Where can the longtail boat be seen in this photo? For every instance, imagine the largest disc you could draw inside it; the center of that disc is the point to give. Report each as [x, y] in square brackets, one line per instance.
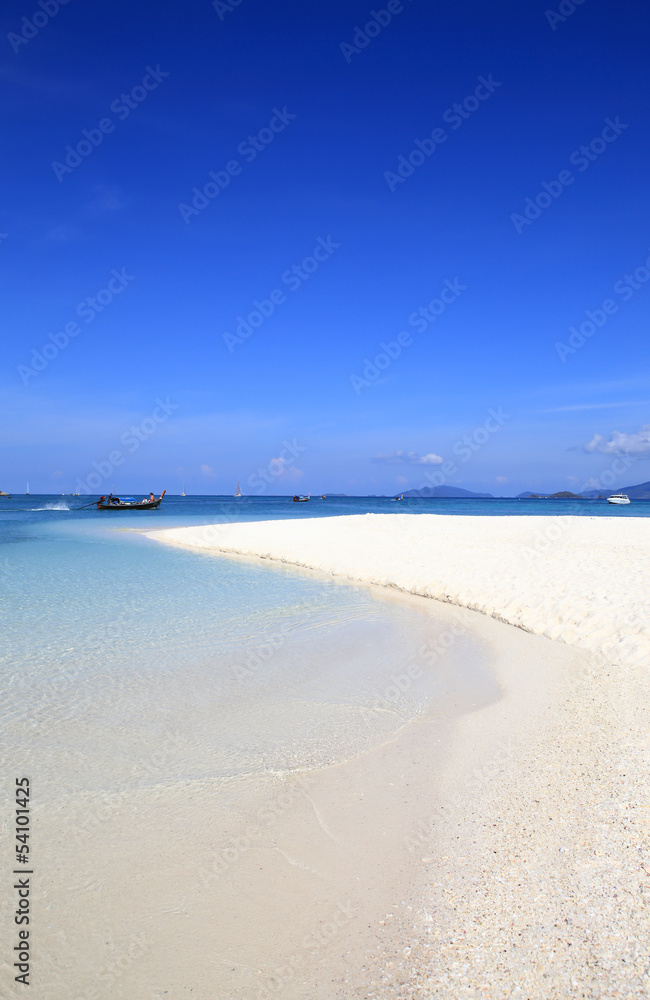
[112, 502]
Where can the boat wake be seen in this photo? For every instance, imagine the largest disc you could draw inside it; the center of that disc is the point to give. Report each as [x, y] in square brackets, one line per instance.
[61, 505]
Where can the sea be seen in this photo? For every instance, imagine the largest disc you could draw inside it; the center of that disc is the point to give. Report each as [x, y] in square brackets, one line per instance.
[115, 646]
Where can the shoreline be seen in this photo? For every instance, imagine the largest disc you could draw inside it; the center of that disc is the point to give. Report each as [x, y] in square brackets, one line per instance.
[491, 845]
[580, 580]
[531, 870]
[265, 885]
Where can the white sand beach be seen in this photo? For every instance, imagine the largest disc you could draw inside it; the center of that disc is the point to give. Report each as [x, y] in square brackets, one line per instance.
[525, 871]
[582, 580]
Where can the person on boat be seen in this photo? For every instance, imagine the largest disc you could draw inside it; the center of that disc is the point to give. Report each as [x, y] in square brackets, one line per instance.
[151, 497]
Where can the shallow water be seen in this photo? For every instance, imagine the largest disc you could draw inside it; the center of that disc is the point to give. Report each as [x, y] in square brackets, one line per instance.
[175, 713]
[127, 664]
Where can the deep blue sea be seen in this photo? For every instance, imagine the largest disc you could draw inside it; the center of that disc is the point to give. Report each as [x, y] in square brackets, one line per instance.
[177, 510]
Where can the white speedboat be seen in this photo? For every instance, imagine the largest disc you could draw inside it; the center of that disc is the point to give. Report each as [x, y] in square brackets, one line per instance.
[618, 498]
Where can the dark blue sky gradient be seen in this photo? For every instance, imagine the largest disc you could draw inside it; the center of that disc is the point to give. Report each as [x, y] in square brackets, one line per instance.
[161, 337]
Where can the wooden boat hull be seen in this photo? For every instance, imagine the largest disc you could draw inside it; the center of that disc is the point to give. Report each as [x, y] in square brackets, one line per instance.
[129, 506]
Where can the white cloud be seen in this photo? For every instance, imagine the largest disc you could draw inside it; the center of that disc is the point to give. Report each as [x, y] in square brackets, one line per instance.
[207, 470]
[408, 458]
[502, 479]
[622, 444]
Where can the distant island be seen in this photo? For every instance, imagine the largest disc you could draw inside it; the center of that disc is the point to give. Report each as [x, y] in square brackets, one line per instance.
[562, 495]
[639, 492]
[448, 492]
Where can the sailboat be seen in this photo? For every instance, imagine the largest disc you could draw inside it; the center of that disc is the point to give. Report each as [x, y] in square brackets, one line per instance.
[183, 493]
[27, 490]
[238, 492]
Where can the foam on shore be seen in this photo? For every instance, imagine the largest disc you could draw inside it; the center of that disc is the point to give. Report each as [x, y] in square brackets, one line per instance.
[581, 580]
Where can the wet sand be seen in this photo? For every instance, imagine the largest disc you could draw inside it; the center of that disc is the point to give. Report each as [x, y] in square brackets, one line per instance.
[525, 868]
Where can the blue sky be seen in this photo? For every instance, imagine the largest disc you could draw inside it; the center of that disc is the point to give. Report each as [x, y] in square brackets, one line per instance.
[300, 118]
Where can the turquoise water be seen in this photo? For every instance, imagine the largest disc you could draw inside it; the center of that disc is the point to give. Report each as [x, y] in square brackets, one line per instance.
[130, 664]
[126, 663]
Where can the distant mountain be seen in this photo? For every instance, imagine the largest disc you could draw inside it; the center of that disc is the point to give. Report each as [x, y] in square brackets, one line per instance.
[448, 492]
[640, 492]
[563, 495]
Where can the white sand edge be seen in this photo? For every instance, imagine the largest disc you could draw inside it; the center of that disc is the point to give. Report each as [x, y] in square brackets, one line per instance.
[582, 580]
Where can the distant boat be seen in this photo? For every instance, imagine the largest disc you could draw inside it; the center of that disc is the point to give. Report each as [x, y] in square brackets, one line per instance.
[3, 494]
[323, 497]
[27, 490]
[398, 498]
[238, 492]
[619, 498]
[183, 493]
[298, 499]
